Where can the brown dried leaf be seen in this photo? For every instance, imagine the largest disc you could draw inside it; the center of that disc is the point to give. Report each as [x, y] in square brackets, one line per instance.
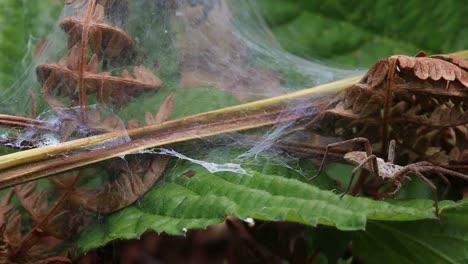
[12, 232]
[5, 207]
[95, 39]
[72, 61]
[133, 123]
[164, 111]
[126, 74]
[377, 73]
[428, 100]
[117, 40]
[119, 89]
[74, 36]
[93, 64]
[12, 249]
[99, 122]
[125, 190]
[136, 178]
[149, 119]
[78, 5]
[98, 15]
[61, 224]
[146, 76]
[114, 45]
[433, 68]
[35, 202]
[460, 62]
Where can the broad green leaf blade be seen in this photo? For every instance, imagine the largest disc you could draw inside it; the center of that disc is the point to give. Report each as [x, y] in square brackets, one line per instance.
[425, 241]
[374, 29]
[23, 23]
[415, 242]
[188, 101]
[205, 198]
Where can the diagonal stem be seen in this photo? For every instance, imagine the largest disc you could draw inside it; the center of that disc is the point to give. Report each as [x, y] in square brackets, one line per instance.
[32, 164]
[387, 104]
[83, 59]
[30, 238]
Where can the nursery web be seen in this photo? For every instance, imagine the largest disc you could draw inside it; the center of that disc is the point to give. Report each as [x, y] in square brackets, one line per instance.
[138, 56]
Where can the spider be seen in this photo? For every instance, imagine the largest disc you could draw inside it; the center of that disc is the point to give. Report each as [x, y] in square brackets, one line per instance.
[387, 171]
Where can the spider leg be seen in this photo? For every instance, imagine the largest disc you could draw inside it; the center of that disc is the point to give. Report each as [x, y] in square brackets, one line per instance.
[447, 171]
[448, 185]
[440, 172]
[421, 164]
[371, 188]
[416, 172]
[355, 170]
[391, 151]
[396, 180]
[360, 183]
[397, 189]
[362, 140]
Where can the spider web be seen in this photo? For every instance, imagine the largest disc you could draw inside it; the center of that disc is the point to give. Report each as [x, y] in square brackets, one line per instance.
[209, 53]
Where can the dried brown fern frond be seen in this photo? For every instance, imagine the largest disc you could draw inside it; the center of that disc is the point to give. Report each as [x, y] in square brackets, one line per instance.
[435, 68]
[78, 5]
[118, 88]
[18, 248]
[60, 224]
[136, 175]
[410, 99]
[79, 74]
[103, 37]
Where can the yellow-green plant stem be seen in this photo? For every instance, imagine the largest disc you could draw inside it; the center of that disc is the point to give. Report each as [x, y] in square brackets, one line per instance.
[32, 164]
[24, 166]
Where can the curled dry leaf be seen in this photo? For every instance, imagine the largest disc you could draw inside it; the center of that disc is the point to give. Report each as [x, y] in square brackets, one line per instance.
[433, 68]
[14, 248]
[462, 63]
[426, 98]
[131, 184]
[103, 37]
[78, 5]
[53, 222]
[5, 207]
[438, 67]
[62, 224]
[119, 89]
[77, 75]
[137, 175]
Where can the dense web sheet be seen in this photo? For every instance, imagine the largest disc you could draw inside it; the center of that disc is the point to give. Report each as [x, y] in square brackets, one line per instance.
[144, 62]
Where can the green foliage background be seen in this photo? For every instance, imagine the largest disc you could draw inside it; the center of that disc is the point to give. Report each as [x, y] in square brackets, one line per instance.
[344, 33]
[22, 24]
[356, 33]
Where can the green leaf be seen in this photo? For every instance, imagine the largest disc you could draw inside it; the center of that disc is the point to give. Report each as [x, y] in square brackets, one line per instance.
[204, 198]
[347, 33]
[22, 24]
[188, 101]
[419, 242]
[425, 241]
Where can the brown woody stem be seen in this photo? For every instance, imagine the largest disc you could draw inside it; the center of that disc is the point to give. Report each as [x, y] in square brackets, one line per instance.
[32, 164]
[29, 239]
[83, 60]
[24, 122]
[387, 106]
